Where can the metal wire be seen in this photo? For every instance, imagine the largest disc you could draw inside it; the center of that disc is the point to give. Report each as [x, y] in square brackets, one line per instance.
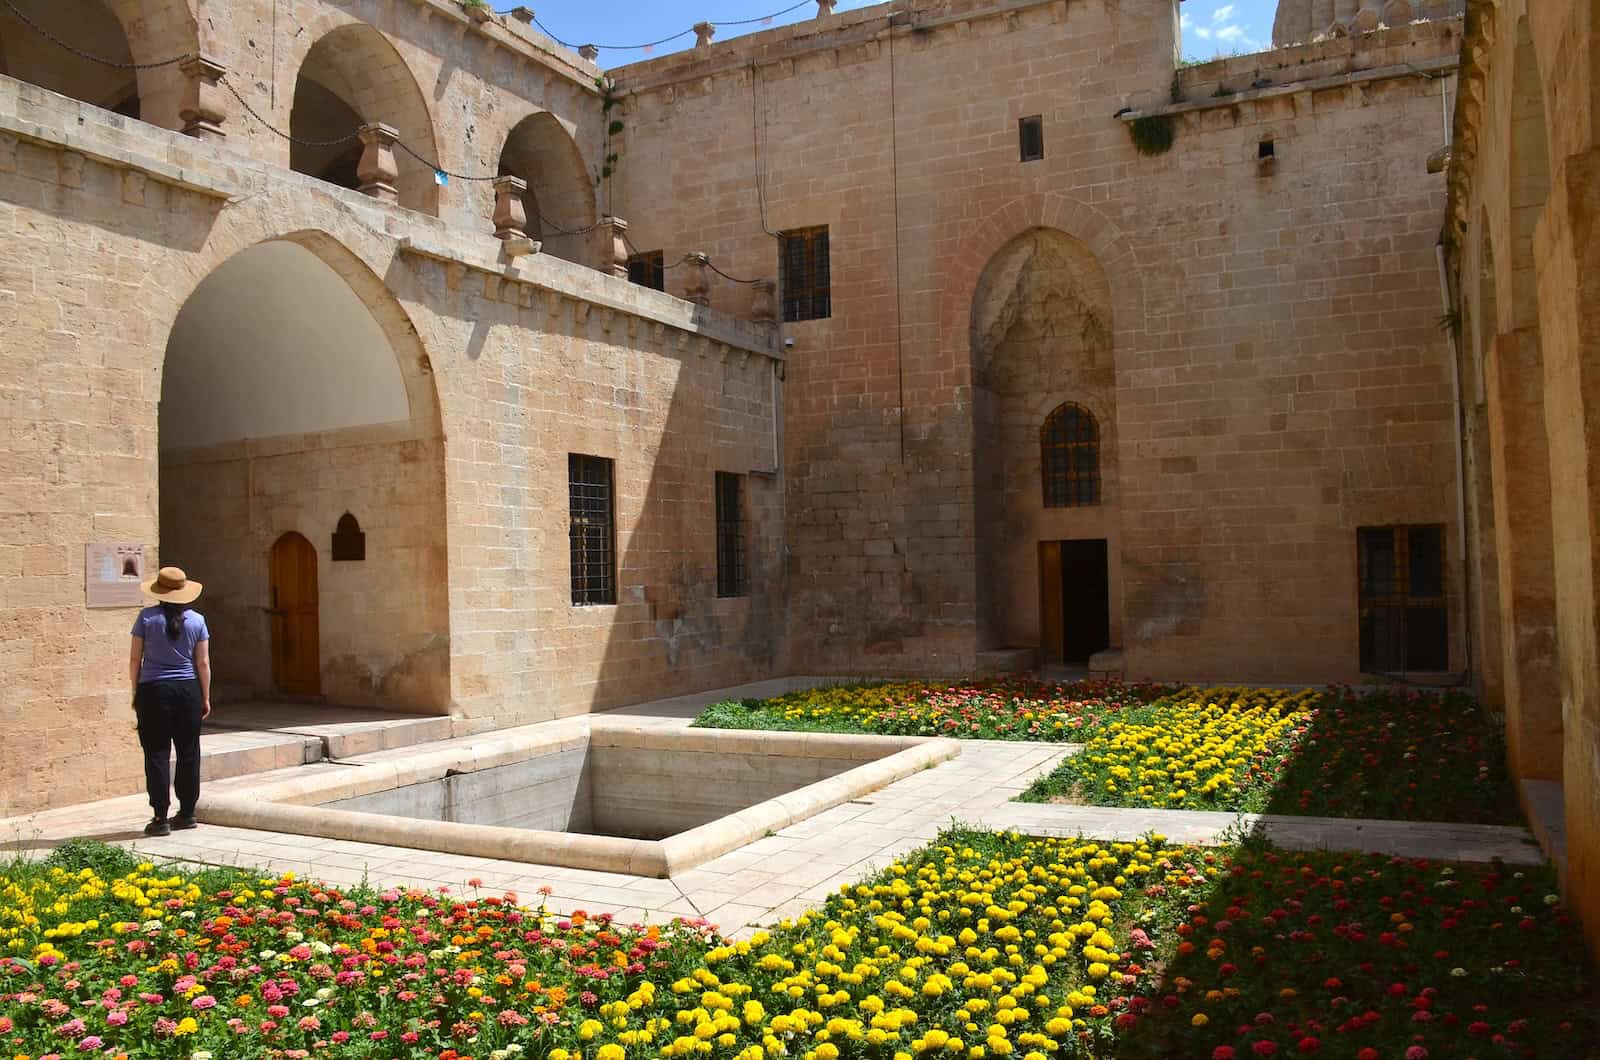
[664, 40]
[248, 109]
[80, 53]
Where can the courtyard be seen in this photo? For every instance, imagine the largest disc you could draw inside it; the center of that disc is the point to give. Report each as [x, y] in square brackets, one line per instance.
[999, 900]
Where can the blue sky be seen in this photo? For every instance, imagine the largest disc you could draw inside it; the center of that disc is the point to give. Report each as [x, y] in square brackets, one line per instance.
[1211, 27]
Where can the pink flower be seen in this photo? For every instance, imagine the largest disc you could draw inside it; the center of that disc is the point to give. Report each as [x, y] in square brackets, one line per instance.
[1416, 1052]
[89, 1044]
[113, 1019]
[204, 1001]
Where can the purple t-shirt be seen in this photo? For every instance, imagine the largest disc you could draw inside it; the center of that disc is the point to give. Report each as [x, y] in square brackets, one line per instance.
[166, 659]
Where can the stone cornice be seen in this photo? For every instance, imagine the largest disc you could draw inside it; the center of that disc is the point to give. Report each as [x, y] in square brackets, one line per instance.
[554, 283]
[1429, 68]
[850, 29]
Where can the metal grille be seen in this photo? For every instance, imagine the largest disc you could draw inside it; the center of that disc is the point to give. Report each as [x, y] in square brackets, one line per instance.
[1069, 456]
[1030, 138]
[1404, 620]
[646, 270]
[591, 534]
[730, 536]
[804, 274]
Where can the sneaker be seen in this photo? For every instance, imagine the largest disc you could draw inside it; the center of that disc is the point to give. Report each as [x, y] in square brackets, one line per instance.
[183, 822]
[158, 826]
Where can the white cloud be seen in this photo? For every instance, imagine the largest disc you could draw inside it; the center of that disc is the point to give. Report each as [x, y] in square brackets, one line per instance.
[1203, 33]
[1230, 33]
[1222, 14]
[1185, 22]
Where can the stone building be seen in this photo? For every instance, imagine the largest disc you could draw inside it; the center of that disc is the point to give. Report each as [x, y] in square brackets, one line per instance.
[1525, 268]
[983, 334]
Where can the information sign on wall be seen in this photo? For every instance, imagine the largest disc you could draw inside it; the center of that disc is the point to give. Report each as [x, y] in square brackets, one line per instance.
[112, 573]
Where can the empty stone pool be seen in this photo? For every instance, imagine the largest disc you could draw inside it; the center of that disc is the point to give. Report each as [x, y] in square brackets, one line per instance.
[585, 792]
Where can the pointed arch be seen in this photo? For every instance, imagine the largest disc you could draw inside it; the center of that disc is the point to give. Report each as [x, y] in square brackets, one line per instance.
[352, 76]
[560, 199]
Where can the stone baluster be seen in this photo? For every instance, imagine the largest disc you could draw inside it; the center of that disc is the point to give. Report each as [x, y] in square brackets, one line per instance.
[696, 281]
[377, 169]
[764, 302]
[1344, 13]
[1367, 19]
[589, 52]
[203, 110]
[825, 8]
[703, 32]
[614, 246]
[510, 209]
[1398, 12]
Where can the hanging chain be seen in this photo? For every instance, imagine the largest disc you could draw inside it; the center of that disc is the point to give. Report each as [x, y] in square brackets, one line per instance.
[80, 53]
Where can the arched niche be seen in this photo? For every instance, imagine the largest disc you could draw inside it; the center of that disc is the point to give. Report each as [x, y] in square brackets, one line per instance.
[353, 76]
[91, 28]
[1041, 341]
[560, 199]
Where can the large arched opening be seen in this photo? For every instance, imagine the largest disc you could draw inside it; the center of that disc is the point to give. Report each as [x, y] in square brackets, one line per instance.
[294, 391]
[560, 199]
[352, 77]
[92, 29]
[1044, 410]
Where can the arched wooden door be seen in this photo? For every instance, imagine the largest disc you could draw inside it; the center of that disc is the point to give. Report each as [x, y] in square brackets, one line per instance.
[296, 653]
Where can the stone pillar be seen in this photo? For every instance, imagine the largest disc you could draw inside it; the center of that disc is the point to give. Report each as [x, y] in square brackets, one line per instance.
[377, 169]
[614, 246]
[764, 302]
[510, 212]
[703, 32]
[589, 52]
[1367, 18]
[203, 111]
[696, 282]
[825, 8]
[1525, 552]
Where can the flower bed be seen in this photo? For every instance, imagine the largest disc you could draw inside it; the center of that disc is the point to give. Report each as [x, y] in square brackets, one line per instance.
[1405, 755]
[1211, 749]
[1001, 709]
[979, 945]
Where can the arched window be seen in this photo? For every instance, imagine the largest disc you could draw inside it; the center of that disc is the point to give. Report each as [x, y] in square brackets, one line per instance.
[1069, 456]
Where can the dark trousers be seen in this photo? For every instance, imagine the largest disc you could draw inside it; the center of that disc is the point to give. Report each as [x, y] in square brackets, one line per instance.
[169, 717]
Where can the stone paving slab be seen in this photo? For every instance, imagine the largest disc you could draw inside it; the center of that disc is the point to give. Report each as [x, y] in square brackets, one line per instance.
[1423, 839]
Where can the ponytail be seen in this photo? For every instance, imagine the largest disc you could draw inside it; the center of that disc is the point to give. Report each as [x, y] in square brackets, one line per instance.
[173, 613]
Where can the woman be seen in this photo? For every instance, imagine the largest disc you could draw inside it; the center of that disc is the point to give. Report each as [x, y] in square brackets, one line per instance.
[170, 665]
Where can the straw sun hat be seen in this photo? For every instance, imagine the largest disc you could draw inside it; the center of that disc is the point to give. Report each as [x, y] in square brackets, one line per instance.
[171, 586]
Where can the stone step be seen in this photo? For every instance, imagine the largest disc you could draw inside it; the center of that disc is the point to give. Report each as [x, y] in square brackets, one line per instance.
[245, 738]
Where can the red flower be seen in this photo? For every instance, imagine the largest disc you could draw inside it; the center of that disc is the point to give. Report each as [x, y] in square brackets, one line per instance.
[1369, 1053]
[1222, 1052]
[1264, 1047]
[1309, 1044]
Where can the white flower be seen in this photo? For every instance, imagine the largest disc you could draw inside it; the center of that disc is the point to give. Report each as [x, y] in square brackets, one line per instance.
[1459, 973]
[311, 1002]
[187, 914]
[293, 935]
[325, 993]
[267, 955]
[1517, 909]
[151, 925]
[1552, 899]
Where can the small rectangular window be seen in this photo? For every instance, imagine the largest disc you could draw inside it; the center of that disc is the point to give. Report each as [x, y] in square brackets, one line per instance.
[803, 274]
[1266, 149]
[1030, 137]
[730, 535]
[646, 270]
[592, 533]
[1404, 617]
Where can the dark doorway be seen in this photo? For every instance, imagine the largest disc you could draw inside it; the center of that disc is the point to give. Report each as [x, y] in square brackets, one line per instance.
[296, 648]
[1085, 600]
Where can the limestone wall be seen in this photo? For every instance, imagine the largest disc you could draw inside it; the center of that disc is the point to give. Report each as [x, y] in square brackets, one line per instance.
[509, 365]
[1524, 195]
[1279, 378]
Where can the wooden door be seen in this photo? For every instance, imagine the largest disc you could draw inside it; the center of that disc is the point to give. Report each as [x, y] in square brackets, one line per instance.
[296, 649]
[1050, 632]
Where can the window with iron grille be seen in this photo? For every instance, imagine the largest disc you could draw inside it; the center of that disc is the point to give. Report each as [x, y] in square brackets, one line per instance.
[730, 535]
[1404, 621]
[646, 270]
[1069, 455]
[803, 273]
[1030, 138]
[591, 535]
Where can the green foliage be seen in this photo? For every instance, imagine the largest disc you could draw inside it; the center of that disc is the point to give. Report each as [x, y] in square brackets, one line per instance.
[1152, 134]
[476, 5]
[108, 861]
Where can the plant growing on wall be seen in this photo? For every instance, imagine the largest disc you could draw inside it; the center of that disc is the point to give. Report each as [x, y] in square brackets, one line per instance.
[1152, 134]
[609, 100]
